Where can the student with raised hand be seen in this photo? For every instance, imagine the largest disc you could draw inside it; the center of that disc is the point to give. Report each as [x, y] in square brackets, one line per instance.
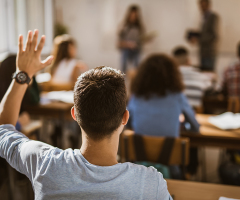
[65, 68]
[93, 171]
[157, 99]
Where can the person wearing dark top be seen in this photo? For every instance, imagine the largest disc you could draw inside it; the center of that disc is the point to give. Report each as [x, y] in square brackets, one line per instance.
[157, 99]
[130, 35]
[208, 36]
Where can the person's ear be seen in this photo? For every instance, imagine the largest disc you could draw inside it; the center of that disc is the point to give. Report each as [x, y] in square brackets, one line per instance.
[125, 117]
[73, 113]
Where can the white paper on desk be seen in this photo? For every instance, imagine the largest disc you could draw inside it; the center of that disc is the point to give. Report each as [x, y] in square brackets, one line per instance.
[226, 121]
[64, 96]
[225, 198]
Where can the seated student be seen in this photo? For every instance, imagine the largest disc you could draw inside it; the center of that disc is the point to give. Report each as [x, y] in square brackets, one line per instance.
[65, 68]
[195, 82]
[231, 78]
[157, 100]
[91, 172]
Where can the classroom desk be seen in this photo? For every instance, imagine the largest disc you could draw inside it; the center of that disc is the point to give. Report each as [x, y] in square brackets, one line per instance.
[211, 136]
[53, 110]
[186, 190]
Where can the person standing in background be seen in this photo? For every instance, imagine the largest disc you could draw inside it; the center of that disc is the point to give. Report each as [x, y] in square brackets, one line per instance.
[208, 36]
[130, 35]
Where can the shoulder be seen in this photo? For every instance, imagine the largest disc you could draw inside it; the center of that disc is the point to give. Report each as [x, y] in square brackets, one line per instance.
[233, 67]
[8, 130]
[80, 65]
[181, 97]
[62, 62]
[149, 173]
[7, 127]
[174, 95]
[151, 177]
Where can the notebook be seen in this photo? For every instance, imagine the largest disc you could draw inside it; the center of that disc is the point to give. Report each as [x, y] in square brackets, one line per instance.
[226, 121]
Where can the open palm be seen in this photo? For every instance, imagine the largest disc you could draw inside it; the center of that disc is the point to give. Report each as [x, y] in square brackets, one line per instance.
[29, 58]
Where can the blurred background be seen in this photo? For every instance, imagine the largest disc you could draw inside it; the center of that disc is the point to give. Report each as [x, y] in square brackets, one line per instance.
[94, 24]
[91, 32]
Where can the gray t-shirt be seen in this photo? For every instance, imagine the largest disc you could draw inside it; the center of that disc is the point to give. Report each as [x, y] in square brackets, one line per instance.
[66, 174]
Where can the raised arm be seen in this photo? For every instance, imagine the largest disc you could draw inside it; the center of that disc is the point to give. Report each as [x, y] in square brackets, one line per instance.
[28, 61]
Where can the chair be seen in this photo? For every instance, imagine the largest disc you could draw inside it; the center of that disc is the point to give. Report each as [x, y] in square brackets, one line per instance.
[234, 104]
[49, 86]
[163, 150]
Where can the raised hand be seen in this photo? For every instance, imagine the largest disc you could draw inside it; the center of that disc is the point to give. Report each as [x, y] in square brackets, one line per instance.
[29, 58]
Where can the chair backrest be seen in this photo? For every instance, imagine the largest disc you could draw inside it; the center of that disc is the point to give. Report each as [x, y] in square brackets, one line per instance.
[234, 104]
[49, 86]
[153, 147]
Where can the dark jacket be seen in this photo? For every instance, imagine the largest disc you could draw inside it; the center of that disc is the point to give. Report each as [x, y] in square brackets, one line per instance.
[209, 35]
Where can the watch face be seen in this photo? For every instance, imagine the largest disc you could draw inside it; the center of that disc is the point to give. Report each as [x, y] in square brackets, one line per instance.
[21, 77]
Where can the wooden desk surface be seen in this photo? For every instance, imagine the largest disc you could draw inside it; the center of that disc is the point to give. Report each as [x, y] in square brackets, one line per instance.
[212, 136]
[210, 130]
[186, 190]
[52, 109]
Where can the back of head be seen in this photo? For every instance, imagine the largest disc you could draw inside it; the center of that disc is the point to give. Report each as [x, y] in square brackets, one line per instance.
[204, 5]
[100, 101]
[181, 55]
[61, 49]
[157, 75]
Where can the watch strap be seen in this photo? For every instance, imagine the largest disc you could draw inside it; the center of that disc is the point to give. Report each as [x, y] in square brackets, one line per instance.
[14, 76]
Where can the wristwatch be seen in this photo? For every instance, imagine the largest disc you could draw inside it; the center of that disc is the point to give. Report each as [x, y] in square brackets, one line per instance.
[21, 77]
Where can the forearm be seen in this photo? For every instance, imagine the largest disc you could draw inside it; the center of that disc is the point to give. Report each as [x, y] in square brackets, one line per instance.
[29, 62]
[11, 103]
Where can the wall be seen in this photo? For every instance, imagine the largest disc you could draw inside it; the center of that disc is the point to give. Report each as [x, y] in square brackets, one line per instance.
[94, 24]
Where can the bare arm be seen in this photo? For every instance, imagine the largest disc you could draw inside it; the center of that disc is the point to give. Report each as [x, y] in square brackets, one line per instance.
[28, 60]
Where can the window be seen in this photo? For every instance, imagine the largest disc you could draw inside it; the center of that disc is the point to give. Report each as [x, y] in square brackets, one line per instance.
[19, 16]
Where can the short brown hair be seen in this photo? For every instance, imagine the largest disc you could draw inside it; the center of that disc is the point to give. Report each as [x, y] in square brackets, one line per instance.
[100, 101]
[157, 75]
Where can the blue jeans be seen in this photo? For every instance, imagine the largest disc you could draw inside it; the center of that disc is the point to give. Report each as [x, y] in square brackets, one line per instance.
[129, 55]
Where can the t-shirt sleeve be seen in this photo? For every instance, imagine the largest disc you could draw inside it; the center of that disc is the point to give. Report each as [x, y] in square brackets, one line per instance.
[189, 114]
[162, 192]
[23, 154]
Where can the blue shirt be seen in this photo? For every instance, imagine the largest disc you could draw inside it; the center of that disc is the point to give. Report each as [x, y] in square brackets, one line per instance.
[65, 174]
[159, 116]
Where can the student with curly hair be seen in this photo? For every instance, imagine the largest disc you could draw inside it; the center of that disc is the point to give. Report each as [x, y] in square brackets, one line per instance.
[157, 100]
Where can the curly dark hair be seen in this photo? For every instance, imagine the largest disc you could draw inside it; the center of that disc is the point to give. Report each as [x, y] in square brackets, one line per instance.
[157, 75]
